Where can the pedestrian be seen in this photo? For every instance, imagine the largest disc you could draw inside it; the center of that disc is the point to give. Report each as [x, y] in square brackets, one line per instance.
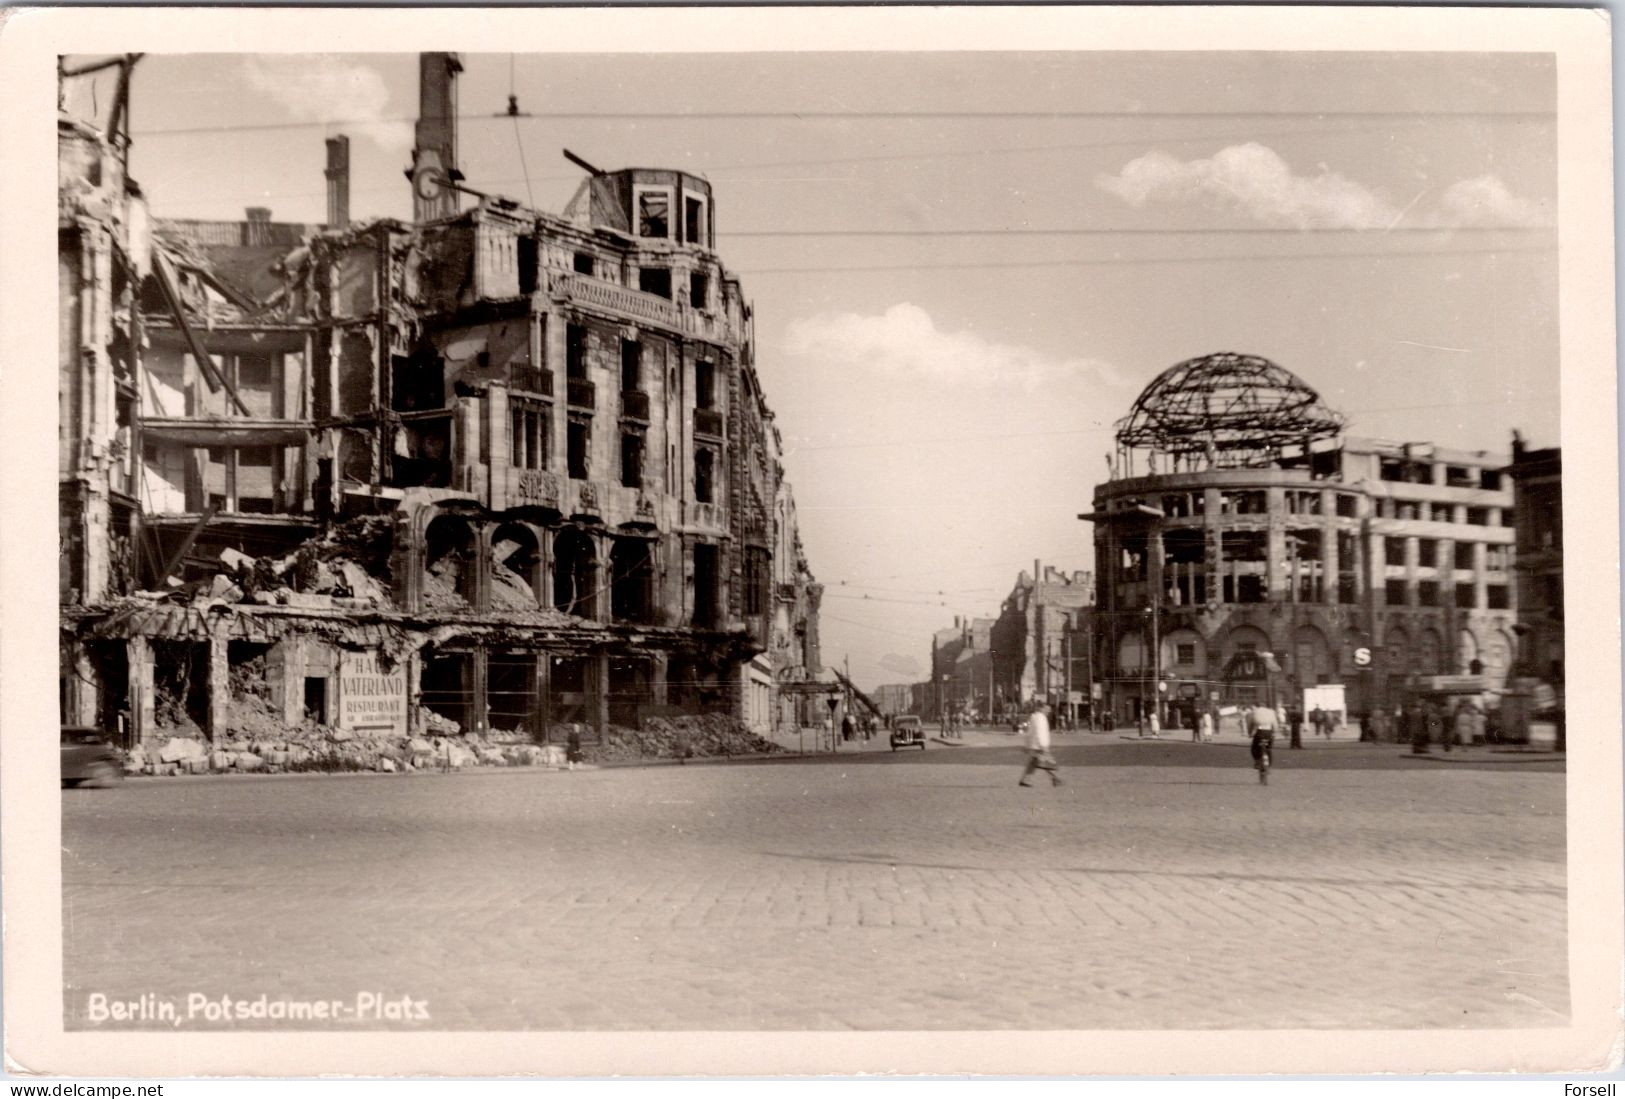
[1156, 723]
[572, 748]
[1436, 730]
[848, 727]
[1317, 721]
[1414, 727]
[1264, 720]
[1294, 723]
[1038, 753]
[1207, 725]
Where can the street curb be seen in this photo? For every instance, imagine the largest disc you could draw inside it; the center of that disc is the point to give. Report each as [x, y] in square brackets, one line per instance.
[1501, 757]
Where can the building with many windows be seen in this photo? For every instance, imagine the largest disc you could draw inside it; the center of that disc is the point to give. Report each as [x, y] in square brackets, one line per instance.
[1043, 643]
[493, 466]
[1247, 549]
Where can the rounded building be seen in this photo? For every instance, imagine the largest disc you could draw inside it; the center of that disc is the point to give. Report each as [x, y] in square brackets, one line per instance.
[1247, 549]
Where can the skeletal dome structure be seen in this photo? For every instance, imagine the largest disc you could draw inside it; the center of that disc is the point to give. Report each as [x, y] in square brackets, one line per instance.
[1228, 408]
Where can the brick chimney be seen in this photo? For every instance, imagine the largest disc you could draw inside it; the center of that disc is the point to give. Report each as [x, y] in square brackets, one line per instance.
[338, 182]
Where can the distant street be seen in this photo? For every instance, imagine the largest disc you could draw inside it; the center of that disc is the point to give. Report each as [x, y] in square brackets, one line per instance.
[1161, 887]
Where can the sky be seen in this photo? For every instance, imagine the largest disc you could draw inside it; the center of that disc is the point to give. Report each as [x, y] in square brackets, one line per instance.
[965, 266]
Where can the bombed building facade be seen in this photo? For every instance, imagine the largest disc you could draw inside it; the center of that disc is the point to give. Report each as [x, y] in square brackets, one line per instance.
[1042, 643]
[1248, 549]
[493, 468]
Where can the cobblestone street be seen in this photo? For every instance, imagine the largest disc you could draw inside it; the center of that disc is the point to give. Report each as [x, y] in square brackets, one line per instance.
[1161, 887]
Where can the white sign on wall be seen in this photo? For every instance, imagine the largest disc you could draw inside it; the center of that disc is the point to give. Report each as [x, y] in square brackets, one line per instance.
[369, 697]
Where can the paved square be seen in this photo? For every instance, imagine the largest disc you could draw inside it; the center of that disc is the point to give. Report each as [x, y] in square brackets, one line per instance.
[1161, 887]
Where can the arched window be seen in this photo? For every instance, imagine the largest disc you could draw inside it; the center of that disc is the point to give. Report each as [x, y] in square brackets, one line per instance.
[448, 556]
[516, 568]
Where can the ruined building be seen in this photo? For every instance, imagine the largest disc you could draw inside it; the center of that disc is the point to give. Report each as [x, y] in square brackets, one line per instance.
[1042, 643]
[1247, 549]
[494, 468]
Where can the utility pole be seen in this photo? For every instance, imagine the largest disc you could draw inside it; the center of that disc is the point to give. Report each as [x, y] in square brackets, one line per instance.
[1066, 648]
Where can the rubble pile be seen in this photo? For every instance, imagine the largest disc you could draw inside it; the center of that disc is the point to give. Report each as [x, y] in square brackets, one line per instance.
[441, 582]
[260, 742]
[509, 591]
[705, 735]
[347, 566]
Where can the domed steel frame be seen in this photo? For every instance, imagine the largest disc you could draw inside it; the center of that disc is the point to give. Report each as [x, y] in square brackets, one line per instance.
[1226, 403]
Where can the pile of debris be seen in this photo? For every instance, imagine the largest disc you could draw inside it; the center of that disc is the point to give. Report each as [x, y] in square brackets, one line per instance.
[261, 742]
[347, 566]
[707, 735]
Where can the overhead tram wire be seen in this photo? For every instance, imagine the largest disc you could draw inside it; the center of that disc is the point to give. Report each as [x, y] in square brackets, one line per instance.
[813, 116]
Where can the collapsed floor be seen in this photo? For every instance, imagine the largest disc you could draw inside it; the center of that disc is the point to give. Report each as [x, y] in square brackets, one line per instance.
[260, 742]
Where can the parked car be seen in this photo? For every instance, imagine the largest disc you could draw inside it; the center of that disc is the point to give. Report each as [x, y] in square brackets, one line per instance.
[88, 758]
[907, 732]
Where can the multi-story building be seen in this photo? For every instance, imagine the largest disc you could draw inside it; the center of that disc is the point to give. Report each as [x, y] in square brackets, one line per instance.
[1538, 672]
[1043, 643]
[961, 670]
[1247, 548]
[502, 466]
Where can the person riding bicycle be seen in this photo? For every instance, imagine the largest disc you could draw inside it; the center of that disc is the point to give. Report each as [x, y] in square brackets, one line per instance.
[1263, 720]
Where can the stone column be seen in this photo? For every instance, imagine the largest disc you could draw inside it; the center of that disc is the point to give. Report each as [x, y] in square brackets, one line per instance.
[1481, 581]
[1330, 566]
[542, 708]
[291, 681]
[497, 429]
[413, 667]
[480, 581]
[219, 691]
[84, 687]
[479, 715]
[598, 692]
[659, 664]
[1376, 573]
[1276, 580]
[1412, 555]
[1445, 562]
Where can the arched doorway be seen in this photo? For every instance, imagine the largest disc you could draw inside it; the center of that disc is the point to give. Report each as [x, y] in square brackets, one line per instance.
[1430, 652]
[575, 573]
[1466, 652]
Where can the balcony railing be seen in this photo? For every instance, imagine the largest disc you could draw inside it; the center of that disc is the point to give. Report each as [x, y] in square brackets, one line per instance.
[708, 421]
[581, 393]
[527, 379]
[635, 404]
[621, 299]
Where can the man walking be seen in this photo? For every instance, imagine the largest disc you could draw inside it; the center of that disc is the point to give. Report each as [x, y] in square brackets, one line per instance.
[1038, 754]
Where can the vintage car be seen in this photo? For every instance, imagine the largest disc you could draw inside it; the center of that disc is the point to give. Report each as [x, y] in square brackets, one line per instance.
[907, 732]
[88, 758]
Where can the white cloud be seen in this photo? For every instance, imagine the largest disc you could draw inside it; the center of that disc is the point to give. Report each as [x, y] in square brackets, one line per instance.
[1485, 200]
[905, 342]
[902, 665]
[323, 88]
[1255, 180]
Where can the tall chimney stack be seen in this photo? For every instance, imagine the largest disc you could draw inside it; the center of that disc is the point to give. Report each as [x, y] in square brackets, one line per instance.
[434, 157]
[338, 182]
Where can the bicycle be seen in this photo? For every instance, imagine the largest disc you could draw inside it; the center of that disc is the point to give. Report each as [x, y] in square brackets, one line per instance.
[1263, 742]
